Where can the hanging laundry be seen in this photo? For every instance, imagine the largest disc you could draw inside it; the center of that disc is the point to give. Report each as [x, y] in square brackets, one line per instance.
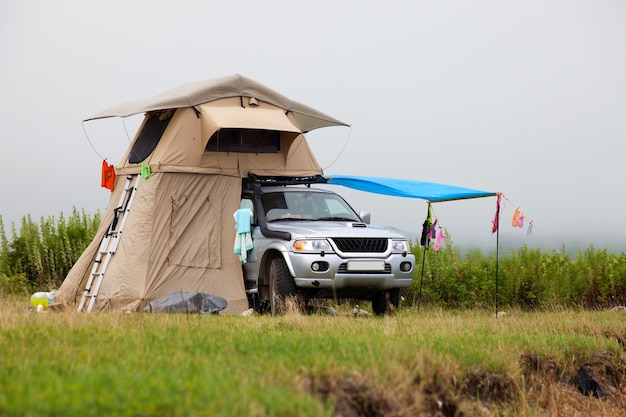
[145, 170]
[515, 217]
[108, 176]
[426, 229]
[530, 228]
[520, 220]
[425, 234]
[441, 238]
[496, 217]
[243, 238]
[433, 229]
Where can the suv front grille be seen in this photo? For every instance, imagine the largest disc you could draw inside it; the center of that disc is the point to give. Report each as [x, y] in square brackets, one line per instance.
[354, 244]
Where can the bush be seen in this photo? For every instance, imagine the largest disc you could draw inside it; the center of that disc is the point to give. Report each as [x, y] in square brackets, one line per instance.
[527, 278]
[14, 285]
[44, 252]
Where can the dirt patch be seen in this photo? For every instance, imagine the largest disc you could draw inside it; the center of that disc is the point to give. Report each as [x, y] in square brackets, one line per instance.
[354, 396]
[543, 385]
[491, 387]
[593, 386]
[439, 398]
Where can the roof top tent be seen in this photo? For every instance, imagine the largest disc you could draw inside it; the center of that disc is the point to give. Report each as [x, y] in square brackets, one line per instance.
[199, 141]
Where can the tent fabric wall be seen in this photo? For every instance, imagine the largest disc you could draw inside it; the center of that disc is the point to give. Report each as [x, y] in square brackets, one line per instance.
[182, 146]
[170, 243]
[229, 113]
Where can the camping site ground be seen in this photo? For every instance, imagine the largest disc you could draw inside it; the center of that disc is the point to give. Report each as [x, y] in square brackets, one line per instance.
[431, 362]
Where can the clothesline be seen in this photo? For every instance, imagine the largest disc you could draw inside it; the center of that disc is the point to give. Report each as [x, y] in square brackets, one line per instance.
[429, 231]
[433, 229]
[518, 219]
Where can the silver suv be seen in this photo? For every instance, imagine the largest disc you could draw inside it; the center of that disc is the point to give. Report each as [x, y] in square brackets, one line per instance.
[309, 243]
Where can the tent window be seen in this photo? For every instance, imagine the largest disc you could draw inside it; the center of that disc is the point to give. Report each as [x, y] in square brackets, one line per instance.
[153, 128]
[244, 141]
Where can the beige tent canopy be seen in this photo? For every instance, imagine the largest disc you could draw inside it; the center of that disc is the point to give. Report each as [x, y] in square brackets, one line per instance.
[201, 92]
[173, 229]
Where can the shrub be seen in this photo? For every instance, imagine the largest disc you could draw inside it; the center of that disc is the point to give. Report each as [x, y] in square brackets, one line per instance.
[44, 252]
[527, 278]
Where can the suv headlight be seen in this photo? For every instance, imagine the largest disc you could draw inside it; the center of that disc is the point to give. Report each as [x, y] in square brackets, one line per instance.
[312, 245]
[400, 246]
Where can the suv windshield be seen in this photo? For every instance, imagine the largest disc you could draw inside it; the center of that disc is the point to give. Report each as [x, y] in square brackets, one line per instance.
[306, 205]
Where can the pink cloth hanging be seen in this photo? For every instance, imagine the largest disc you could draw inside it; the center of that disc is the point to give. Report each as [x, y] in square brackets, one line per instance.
[441, 237]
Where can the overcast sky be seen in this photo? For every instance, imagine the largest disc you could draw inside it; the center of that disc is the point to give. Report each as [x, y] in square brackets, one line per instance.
[526, 98]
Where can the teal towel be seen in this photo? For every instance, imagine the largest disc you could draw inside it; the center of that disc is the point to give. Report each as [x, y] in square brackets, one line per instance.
[243, 238]
[243, 218]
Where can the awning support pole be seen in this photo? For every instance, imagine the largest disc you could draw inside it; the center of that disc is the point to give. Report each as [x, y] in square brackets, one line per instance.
[419, 302]
[497, 251]
[421, 280]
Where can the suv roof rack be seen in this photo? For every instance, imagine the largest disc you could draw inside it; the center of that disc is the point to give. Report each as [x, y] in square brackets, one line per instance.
[280, 180]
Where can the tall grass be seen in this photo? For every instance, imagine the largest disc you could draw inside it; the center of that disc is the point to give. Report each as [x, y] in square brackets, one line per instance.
[182, 365]
[527, 278]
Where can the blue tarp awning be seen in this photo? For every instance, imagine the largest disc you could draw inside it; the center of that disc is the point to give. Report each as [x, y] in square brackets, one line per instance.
[429, 191]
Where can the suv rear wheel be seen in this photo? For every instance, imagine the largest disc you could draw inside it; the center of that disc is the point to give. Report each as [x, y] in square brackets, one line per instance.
[282, 286]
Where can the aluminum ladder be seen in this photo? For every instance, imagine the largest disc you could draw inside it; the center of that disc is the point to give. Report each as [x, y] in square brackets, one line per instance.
[109, 243]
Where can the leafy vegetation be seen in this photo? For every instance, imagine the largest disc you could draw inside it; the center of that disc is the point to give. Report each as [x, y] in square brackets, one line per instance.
[38, 256]
[527, 278]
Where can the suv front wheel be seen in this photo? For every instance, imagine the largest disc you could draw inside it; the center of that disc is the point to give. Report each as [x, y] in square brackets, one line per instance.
[386, 302]
[282, 286]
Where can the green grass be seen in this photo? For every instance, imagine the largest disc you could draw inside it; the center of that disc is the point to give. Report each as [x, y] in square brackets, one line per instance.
[188, 365]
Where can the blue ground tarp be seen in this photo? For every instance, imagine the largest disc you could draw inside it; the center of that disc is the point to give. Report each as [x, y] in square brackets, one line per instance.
[429, 191]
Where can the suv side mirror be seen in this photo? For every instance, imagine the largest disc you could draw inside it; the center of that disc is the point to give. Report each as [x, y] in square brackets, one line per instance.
[365, 216]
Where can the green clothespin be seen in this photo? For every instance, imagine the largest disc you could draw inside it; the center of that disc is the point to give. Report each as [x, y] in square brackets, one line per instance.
[145, 170]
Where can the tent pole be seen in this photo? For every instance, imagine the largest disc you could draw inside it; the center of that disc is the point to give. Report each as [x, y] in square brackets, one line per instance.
[424, 240]
[419, 302]
[497, 254]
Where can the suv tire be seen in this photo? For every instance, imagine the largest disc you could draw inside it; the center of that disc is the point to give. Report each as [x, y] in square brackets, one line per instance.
[282, 286]
[386, 302]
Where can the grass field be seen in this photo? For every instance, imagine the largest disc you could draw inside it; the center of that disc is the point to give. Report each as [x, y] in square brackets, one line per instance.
[434, 362]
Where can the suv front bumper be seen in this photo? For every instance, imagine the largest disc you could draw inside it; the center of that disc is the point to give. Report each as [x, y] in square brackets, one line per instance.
[338, 276]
